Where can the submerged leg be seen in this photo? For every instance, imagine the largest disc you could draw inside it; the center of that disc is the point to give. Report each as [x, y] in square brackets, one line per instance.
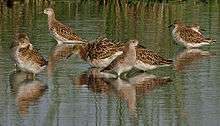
[124, 75]
[33, 76]
[119, 75]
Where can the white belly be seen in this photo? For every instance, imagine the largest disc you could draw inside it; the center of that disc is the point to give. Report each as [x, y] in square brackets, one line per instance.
[61, 40]
[29, 66]
[143, 66]
[179, 40]
[177, 37]
[102, 63]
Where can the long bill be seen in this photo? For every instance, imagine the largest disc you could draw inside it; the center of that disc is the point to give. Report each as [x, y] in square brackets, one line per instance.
[170, 25]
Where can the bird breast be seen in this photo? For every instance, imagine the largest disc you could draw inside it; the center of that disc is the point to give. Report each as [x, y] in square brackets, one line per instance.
[131, 56]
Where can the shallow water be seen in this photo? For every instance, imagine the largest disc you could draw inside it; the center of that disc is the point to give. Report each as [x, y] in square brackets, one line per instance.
[68, 92]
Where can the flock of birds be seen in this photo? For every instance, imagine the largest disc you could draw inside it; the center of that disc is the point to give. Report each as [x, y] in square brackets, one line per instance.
[109, 57]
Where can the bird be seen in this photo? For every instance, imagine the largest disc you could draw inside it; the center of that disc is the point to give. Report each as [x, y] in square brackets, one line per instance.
[25, 56]
[103, 51]
[100, 53]
[148, 60]
[62, 33]
[125, 61]
[190, 37]
[196, 28]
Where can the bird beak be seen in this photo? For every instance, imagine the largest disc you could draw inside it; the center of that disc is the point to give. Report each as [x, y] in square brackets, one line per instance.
[202, 29]
[42, 12]
[141, 46]
[170, 25]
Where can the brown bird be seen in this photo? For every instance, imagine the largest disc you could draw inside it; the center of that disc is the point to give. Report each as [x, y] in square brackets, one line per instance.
[196, 28]
[148, 60]
[62, 33]
[125, 61]
[25, 56]
[190, 37]
[100, 53]
[103, 51]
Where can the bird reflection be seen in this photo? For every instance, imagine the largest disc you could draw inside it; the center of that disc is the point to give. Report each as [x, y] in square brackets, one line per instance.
[188, 56]
[16, 78]
[134, 88]
[59, 53]
[128, 90]
[27, 91]
[94, 80]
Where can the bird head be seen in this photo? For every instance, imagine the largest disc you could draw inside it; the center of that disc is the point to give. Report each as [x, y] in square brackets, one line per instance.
[176, 23]
[22, 40]
[133, 42]
[48, 11]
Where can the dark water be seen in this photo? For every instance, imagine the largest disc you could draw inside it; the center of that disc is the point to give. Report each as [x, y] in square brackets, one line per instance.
[68, 92]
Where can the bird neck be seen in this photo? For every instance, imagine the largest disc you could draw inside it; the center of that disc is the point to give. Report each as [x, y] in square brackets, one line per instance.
[83, 51]
[51, 18]
[130, 55]
[24, 49]
[129, 51]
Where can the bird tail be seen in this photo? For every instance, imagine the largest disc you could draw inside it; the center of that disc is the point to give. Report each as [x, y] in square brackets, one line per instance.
[83, 52]
[167, 61]
[166, 80]
[210, 40]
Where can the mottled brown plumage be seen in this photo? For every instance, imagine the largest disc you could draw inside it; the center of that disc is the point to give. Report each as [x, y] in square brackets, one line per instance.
[100, 53]
[102, 49]
[26, 58]
[28, 55]
[61, 32]
[20, 38]
[189, 37]
[196, 28]
[125, 61]
[151, 58]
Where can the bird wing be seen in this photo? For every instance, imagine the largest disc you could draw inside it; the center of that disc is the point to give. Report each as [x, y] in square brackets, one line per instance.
[32, 55]
[37, 57]
[114, 63]
[102, 49]
[64, 31]
[149, 57]
[191, 36]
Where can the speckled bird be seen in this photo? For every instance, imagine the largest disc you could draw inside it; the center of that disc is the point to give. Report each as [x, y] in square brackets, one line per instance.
[101, 52]
[125, 61]
[190, 37]
[196, 28]
[148, 60]
[25, 56]
[62, 33]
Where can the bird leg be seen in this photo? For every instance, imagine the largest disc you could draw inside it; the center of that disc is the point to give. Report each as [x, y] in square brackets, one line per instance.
[33, 76]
